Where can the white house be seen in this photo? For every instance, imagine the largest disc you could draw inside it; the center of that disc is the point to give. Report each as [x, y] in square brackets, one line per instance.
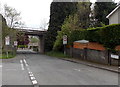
[114, 16]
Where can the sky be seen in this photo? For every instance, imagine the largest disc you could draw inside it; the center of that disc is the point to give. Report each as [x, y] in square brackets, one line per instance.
[34, 13]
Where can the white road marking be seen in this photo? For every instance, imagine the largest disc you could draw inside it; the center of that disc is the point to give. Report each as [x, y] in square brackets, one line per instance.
[31, 74]
[26, 64]
[24, 61]
[34, 82]
[77, 70]
[32, 78]
[1, 66]
[22, 66]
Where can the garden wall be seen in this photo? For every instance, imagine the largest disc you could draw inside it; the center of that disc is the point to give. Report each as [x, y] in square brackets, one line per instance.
[93, 52]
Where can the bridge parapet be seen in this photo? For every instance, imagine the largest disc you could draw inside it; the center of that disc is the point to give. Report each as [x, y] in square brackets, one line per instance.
[33, 32]
[39, 33]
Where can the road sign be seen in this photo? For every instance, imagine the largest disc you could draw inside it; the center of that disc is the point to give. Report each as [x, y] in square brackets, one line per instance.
[15, 43]
[7, 40]
[114, 56]
[64, 39]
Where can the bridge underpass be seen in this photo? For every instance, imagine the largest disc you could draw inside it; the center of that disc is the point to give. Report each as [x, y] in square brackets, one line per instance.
[39, 34]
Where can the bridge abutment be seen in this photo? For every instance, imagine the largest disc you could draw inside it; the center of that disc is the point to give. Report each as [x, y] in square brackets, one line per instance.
[41, 44]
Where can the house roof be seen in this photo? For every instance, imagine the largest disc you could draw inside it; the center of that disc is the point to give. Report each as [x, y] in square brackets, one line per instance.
[113, 11]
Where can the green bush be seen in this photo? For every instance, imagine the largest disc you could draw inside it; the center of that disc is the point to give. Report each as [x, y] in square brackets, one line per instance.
[35, 48]
[22, 46]
[108, 35]
[11, 54]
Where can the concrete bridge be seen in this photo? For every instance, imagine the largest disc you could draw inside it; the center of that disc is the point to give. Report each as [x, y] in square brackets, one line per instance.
[36, 32]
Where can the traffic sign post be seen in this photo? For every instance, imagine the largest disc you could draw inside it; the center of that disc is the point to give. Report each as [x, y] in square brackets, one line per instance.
[15, 43]
[7, 40]
[65, 39]
[7, 43]
[64, 42]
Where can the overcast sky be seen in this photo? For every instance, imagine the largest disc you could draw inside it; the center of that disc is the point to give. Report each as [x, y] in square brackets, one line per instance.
[33, 12]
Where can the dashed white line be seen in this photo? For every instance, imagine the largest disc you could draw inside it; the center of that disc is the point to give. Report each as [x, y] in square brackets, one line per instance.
[22, 66]
[31, 74]
[34, 82]
[32, 78]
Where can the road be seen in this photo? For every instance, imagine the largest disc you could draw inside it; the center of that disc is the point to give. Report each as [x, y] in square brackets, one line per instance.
[30, 68]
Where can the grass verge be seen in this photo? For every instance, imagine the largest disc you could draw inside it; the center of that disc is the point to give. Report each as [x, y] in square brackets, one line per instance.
[4, 56]
[57, 54]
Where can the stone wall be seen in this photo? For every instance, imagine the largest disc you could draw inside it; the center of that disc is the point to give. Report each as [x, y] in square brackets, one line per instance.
[98, 56]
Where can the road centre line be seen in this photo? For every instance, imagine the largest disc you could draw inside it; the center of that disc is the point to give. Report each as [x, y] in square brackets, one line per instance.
[34, 82]
[22, 66]
[32, 78]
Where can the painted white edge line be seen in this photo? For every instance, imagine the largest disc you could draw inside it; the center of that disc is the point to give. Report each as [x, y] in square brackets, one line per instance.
[21, 63]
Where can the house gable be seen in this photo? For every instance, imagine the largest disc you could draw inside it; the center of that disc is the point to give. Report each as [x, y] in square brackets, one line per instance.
[114, 16]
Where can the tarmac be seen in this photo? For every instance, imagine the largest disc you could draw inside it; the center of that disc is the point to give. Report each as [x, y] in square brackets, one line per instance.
[92, 64]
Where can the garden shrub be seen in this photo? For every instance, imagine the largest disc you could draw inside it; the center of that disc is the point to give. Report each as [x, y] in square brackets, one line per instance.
[108, 35]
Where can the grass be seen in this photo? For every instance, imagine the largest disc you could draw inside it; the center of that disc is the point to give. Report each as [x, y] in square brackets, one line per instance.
[4, 56]
[57, 54]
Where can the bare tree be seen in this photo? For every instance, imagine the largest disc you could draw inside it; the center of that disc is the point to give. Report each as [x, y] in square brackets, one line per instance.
[43, 24]
[19, 24]
[11, 15]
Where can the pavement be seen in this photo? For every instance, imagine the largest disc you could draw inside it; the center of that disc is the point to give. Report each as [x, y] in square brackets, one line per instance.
[30, 68]
[92, 64]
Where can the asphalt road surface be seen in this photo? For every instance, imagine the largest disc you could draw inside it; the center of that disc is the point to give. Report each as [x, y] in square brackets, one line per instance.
[30, 68]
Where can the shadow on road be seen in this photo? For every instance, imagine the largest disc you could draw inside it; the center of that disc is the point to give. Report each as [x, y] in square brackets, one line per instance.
[26, 51]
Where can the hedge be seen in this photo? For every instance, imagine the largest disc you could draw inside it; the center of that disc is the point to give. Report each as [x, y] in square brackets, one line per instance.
[22, 46]
[108, 35]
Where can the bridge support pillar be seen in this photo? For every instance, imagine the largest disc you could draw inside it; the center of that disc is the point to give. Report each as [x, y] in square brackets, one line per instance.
[41, 44]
